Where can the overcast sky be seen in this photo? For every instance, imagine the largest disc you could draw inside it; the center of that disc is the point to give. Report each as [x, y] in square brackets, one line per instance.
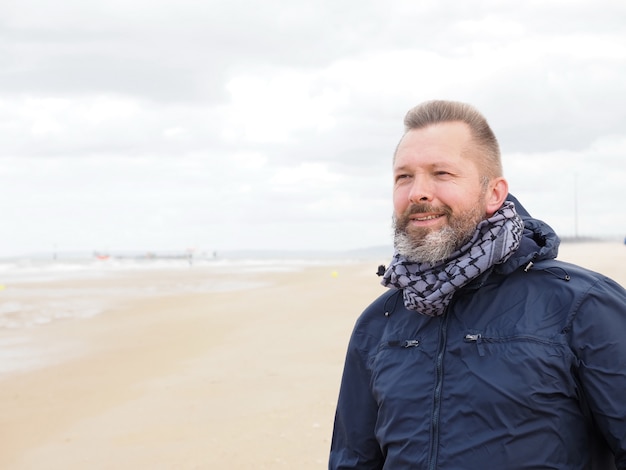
[249, 124]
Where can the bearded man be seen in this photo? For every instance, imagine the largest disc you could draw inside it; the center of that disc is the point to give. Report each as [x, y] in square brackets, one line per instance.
[486, 352]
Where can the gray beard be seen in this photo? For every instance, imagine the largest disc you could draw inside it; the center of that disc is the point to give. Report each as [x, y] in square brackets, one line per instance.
[435, 246]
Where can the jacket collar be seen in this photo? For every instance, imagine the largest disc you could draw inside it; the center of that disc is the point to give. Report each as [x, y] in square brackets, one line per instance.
[539, 241]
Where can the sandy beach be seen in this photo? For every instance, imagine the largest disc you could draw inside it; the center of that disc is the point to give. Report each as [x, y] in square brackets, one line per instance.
[239, 379]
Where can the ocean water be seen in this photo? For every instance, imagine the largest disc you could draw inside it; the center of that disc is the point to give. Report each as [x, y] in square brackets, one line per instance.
[36, 291]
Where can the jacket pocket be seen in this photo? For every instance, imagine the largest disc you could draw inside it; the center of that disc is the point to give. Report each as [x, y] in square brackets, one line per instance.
[481, 340]
[404, 343]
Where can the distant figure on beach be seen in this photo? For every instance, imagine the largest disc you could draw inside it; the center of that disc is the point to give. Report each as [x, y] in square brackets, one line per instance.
[486, 352]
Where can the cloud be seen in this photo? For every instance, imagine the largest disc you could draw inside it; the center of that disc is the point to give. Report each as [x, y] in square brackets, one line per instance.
[249, 124]
[577, 183]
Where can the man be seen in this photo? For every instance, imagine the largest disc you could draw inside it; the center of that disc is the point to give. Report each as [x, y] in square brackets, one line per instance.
[486, 352]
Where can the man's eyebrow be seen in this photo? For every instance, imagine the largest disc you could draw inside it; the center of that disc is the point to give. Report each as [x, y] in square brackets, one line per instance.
[400, 168]
[433, 165]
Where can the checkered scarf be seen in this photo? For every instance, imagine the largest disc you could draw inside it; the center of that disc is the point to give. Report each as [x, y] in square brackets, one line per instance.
[428, 288]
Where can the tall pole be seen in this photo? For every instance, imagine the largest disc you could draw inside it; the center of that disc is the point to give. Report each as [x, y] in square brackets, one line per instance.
[575, 205]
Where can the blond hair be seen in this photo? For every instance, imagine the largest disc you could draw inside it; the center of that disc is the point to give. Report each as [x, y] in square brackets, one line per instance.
[440, 111]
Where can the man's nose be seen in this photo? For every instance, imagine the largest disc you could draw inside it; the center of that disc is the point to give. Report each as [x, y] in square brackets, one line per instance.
[421, 190]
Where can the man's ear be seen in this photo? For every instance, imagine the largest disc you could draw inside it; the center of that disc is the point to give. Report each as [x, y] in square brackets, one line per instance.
[496, 194]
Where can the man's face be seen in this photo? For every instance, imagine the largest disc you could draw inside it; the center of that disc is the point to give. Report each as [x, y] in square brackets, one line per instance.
[438, 195]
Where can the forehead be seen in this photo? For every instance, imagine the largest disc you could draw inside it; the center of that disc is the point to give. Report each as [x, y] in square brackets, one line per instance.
[447, 141]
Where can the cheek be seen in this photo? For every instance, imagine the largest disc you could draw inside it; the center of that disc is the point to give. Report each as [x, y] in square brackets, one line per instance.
[400, 200]
[457, 195]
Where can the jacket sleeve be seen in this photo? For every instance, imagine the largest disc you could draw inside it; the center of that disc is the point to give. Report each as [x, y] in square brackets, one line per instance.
[599, 340]
[354, 444]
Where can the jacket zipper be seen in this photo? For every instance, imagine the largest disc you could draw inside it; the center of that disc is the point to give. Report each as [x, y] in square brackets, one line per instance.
[478, 339]
[434, 440]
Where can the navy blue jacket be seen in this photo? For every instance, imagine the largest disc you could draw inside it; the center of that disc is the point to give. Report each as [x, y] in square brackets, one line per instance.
[526, 369]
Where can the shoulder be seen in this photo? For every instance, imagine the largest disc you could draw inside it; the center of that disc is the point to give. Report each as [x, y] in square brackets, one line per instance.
[588, 295]
[371, 323]
[547, 290]
[375, 312]
[576, 278]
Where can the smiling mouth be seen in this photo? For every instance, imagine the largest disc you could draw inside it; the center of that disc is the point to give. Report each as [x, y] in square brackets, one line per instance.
[428, 217]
